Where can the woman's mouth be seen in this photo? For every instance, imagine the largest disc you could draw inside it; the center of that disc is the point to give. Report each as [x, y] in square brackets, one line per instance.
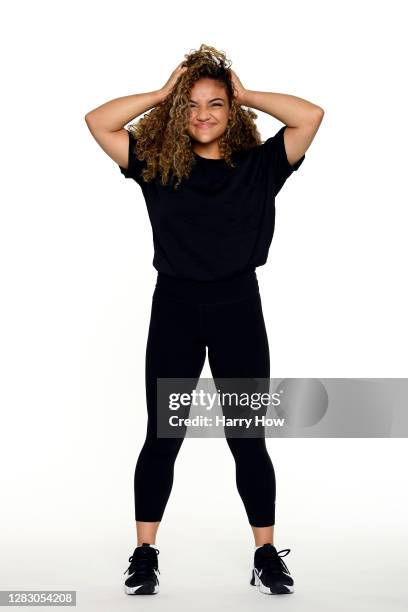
[204, 126]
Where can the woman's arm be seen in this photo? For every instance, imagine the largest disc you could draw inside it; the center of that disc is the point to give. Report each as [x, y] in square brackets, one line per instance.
[303, 118]
[106, 122]
[113, 115]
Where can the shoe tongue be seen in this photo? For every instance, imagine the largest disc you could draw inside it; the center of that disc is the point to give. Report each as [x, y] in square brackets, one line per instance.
[268, 547]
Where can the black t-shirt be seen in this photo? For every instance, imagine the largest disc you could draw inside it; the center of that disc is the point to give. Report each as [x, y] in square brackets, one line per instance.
[220, 221]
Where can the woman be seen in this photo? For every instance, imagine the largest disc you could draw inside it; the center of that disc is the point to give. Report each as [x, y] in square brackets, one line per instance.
[209, 184]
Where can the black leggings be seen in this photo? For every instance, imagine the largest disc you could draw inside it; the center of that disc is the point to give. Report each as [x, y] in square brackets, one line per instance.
[186, 317]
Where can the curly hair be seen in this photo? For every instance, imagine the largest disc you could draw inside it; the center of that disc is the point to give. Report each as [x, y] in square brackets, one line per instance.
[161, 134]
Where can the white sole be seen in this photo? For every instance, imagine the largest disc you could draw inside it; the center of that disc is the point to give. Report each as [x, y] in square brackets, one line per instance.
[256, 581]
[138, 590]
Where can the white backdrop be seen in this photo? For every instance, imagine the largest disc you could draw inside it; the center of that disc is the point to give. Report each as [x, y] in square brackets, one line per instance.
[77, 281]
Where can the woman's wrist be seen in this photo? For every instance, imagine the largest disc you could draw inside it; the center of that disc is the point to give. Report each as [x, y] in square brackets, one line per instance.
[161, 95]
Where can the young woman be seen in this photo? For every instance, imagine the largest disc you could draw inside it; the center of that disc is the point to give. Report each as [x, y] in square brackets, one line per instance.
[210, 186]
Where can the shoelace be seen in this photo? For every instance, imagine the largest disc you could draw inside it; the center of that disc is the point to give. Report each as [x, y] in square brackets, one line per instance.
[271, 560]
[141, 562]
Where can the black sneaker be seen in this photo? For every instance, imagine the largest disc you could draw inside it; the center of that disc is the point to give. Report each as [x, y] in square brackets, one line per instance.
[143, 571]
[270, 572]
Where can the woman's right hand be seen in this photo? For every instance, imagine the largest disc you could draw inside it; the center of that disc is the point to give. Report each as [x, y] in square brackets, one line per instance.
[175, 75]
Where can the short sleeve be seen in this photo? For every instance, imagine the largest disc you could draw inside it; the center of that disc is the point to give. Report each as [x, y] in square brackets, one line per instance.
[135, 165]
[276, 161]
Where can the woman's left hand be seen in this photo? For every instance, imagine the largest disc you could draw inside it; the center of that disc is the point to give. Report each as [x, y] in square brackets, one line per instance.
[239, 89]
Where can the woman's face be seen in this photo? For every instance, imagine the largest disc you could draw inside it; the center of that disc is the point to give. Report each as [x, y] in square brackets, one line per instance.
[209, 111]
